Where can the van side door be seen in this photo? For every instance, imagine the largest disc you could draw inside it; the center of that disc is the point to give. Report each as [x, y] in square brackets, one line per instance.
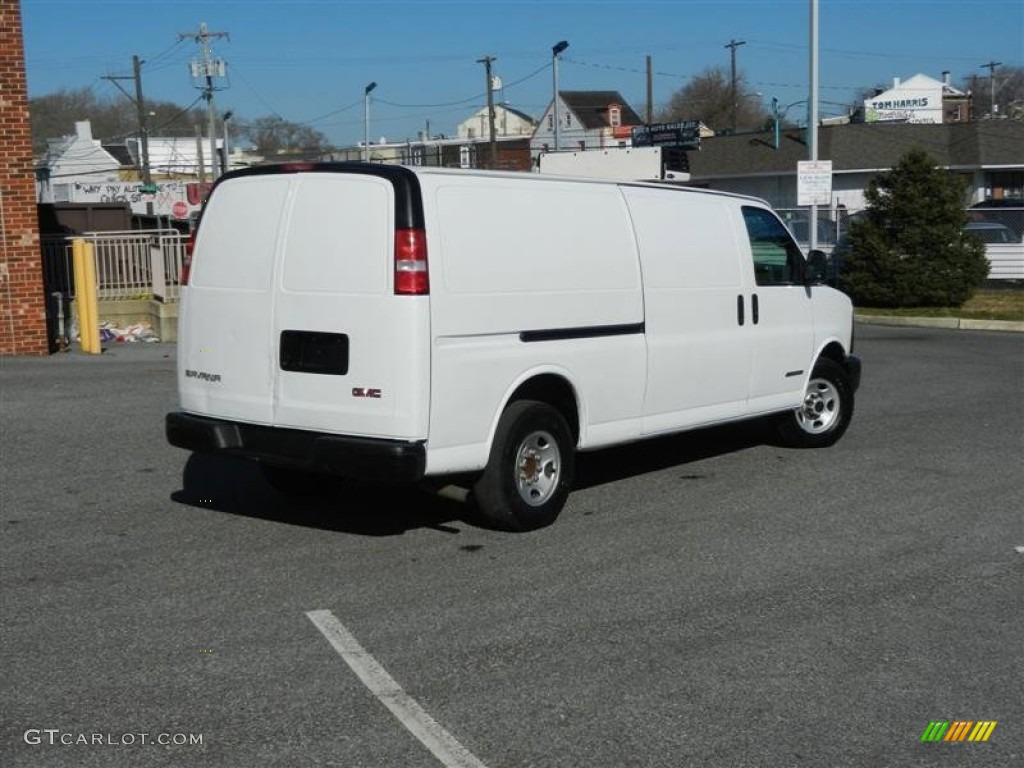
[781, 313]
[698, 345]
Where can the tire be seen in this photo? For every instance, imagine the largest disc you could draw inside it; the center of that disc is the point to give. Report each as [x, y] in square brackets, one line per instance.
[826, 412]
[295, 482]
[529, 473]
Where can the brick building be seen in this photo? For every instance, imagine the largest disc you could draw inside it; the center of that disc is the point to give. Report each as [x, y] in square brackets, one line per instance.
[22, 303]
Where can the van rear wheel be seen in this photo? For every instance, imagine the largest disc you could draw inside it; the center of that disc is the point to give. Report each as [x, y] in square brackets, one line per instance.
[530, 470]
[826, 410]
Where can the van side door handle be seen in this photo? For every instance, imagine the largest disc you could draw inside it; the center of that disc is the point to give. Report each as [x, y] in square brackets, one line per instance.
[739, 309]
[755, 315]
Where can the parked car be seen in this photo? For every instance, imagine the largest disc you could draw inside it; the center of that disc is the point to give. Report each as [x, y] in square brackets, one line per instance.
[991, 232]
[1009, 211]
[801, 231]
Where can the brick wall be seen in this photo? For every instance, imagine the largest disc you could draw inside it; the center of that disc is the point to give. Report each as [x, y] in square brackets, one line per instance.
[22, 304]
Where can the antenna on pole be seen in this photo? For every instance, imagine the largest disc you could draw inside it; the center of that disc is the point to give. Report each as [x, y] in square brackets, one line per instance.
[204, 70]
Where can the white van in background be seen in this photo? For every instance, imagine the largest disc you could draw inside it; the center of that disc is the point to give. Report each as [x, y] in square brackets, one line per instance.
[400, 323]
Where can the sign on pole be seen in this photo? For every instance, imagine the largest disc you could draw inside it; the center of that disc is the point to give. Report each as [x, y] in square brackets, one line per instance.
[814, 182]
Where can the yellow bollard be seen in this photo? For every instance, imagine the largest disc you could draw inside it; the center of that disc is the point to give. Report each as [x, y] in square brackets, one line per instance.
[85, 295]
[92, 296]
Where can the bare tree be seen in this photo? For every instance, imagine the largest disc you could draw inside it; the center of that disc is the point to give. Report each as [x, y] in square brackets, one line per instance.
[113, 118]
[708, 98]
[273, 135]
[1009, 93]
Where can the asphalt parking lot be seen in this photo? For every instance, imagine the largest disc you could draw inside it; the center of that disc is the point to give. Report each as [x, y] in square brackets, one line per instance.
[710, 599]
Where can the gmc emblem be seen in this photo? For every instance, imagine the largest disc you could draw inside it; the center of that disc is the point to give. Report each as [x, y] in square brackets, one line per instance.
[366, 392]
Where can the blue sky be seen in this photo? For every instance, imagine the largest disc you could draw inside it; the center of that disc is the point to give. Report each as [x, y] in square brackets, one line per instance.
[309, 60]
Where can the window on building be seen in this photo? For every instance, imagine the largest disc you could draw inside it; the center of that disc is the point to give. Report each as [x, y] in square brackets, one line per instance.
[568, 118]
[582, 143]
[551, 122]
[614, 115]
[1005, 184]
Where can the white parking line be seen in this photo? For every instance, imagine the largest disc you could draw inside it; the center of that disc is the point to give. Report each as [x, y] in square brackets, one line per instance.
[410, 714]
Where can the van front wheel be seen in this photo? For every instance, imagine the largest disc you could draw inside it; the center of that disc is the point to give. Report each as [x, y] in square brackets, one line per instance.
[826, 410]
[530, 470]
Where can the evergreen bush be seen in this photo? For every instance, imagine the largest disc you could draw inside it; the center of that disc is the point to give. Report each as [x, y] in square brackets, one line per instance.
[909, 250]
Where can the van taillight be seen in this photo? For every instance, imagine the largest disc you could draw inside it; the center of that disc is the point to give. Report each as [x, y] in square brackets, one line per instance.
[186, 262]
[411, 277]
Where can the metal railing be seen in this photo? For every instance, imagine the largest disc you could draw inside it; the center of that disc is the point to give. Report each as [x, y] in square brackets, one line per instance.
[129, 265]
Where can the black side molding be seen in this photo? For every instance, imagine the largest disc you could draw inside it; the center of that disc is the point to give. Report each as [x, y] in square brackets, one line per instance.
[583, 332]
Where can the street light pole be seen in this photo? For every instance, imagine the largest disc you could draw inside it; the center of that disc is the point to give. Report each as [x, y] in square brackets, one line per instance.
[775, 117]
[366, 121]
[556, 49]
[812, 115]
[227, 148]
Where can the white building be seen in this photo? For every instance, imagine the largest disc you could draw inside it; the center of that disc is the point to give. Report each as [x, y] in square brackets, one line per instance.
[507, 122]
[76, 159]
[919, 99]
[78, 169]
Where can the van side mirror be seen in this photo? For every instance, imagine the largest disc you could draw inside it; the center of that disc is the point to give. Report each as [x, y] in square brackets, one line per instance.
[816, 269]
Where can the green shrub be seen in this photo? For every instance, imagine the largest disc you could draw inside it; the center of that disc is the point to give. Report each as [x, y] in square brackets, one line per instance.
[908, 251]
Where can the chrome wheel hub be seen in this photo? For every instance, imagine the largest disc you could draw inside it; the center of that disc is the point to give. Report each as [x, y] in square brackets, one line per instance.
[820, 411]
[538, 466]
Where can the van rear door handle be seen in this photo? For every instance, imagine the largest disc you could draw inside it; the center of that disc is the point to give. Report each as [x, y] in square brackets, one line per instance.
[739, 309]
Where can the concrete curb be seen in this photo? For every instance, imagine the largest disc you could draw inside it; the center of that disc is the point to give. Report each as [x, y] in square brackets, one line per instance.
[953, 323]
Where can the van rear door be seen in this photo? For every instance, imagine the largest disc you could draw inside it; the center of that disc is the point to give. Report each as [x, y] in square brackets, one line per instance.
[352, 357]
[225, 337]
[291, 317]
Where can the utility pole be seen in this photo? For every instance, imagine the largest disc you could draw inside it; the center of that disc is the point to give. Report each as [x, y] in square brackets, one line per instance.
[140, 110]
[205, 70]
[201, 168]
[486, 61]
[991, 67]
[733, 45]
[650, 91]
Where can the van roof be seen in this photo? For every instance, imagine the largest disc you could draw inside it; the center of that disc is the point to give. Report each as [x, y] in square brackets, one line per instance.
[402, 175]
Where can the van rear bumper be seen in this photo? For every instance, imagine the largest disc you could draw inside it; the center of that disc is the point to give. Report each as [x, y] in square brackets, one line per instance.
[359, 457]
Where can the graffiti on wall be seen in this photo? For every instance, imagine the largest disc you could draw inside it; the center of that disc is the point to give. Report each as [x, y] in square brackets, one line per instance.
[177, 199]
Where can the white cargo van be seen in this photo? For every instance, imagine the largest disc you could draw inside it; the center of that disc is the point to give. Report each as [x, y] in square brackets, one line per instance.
[401, 323]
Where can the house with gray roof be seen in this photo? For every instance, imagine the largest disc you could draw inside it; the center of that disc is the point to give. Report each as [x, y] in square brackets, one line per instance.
[587, 120]
[989, 154]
